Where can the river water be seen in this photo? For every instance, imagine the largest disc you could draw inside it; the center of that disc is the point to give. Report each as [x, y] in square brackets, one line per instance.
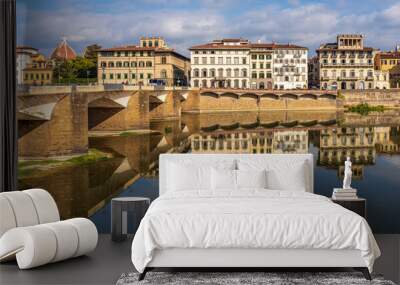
[372, 142]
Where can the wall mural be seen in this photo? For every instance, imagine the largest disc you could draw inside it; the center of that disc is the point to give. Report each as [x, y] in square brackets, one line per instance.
[93, 120]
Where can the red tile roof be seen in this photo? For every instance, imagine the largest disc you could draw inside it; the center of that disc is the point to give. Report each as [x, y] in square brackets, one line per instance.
[244, 45]
[390, 55]
[63, 51]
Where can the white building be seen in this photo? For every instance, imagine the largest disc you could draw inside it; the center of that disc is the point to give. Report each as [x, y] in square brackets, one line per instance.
[381, 79]
[290, 67]
[220, 64]
[24, 59]
[238, 63]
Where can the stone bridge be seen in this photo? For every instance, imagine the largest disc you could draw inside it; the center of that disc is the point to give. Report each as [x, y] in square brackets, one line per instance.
[211, 100]
[56, 120]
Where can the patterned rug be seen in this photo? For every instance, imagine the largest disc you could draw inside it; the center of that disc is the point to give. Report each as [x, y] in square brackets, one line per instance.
[243, 278]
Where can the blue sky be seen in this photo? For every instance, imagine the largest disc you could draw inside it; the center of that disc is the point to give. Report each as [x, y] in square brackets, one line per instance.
[42, 23]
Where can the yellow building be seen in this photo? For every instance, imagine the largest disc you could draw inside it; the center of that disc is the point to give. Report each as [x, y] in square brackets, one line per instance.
[389, 62]
[38, 72]
[152, 62]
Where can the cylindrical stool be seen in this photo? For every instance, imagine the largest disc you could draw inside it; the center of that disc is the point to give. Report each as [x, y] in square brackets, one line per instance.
[119, 215]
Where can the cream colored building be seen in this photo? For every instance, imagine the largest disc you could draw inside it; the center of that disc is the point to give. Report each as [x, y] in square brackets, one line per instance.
[381, 79]
[151, 62]
[38, 72]
[346, 64]
[261, 66]
[238, 63]
[272, 141]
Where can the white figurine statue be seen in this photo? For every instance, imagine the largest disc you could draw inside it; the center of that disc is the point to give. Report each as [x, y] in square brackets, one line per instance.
[347, 174]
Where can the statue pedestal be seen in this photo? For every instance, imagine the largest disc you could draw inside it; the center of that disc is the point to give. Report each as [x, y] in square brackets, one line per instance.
[340, 193]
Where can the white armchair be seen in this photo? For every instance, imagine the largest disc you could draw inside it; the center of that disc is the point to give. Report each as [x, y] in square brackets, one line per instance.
[31, 230]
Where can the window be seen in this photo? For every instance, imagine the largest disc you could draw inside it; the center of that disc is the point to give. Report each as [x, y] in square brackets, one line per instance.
[254, 65]
[149, 63]
[196, 60]
[244, 61]
[212, 60]
[133, 64]
[163, 73]
[204, 72]
[111, 75]
[220, 72]
[212, 72]
[125, 75]
[149, 76]
[141, 76]
[118, 75]
[220, 60]
[196, 73]
[228, 60]
[110, 64]
[253, 56]
[236, 60]
[126, 63]
[254, 75]
[261, 65]
[133, 75]
[196, 83]
[261, 56]
[261, 75]
[244, 72]
[228, 73]
[203, 60]
[163, 60]
[141, 63]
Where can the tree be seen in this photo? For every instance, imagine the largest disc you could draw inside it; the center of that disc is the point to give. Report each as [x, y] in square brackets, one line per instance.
[91, 52]
[78, 68]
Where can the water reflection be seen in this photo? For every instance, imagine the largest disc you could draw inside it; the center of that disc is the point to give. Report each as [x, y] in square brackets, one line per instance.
[373, 143]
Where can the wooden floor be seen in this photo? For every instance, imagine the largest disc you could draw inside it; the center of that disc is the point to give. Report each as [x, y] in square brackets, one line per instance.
[111, 259]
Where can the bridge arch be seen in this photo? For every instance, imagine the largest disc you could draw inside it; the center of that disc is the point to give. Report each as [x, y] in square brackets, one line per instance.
[270, 96]
[327, 96]
[290, 96]
[230, 95]
[210, 94]
[250, 95]
[308, 96]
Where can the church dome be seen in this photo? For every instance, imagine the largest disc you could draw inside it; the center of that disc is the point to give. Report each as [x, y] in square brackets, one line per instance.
[63, 51]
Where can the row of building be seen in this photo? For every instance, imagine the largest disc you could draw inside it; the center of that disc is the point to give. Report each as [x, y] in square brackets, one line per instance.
[230, 63]
[33, 68]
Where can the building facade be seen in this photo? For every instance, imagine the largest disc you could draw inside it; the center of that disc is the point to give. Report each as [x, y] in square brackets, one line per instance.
[151, 62]
[38, 72]
[220, 64]
[313, 72]
[389, 62]
[238, 63]
[32, 67]
[290, 67]
[346, 64]
[24, 58]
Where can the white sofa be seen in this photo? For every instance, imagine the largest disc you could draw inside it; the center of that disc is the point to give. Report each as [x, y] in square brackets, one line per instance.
[31, 231]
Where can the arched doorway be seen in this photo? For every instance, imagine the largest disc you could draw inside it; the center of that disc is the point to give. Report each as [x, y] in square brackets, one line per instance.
[343, 85]
[261, 85]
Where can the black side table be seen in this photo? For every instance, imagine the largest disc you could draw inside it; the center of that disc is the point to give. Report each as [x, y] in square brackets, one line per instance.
[358, 206]
[119, 215]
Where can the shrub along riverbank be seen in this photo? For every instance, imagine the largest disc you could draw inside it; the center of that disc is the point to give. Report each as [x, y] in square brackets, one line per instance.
[365, 109]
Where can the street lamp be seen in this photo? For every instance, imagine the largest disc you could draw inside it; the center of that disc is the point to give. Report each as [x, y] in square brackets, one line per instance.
[87, 76]
[103, 68]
